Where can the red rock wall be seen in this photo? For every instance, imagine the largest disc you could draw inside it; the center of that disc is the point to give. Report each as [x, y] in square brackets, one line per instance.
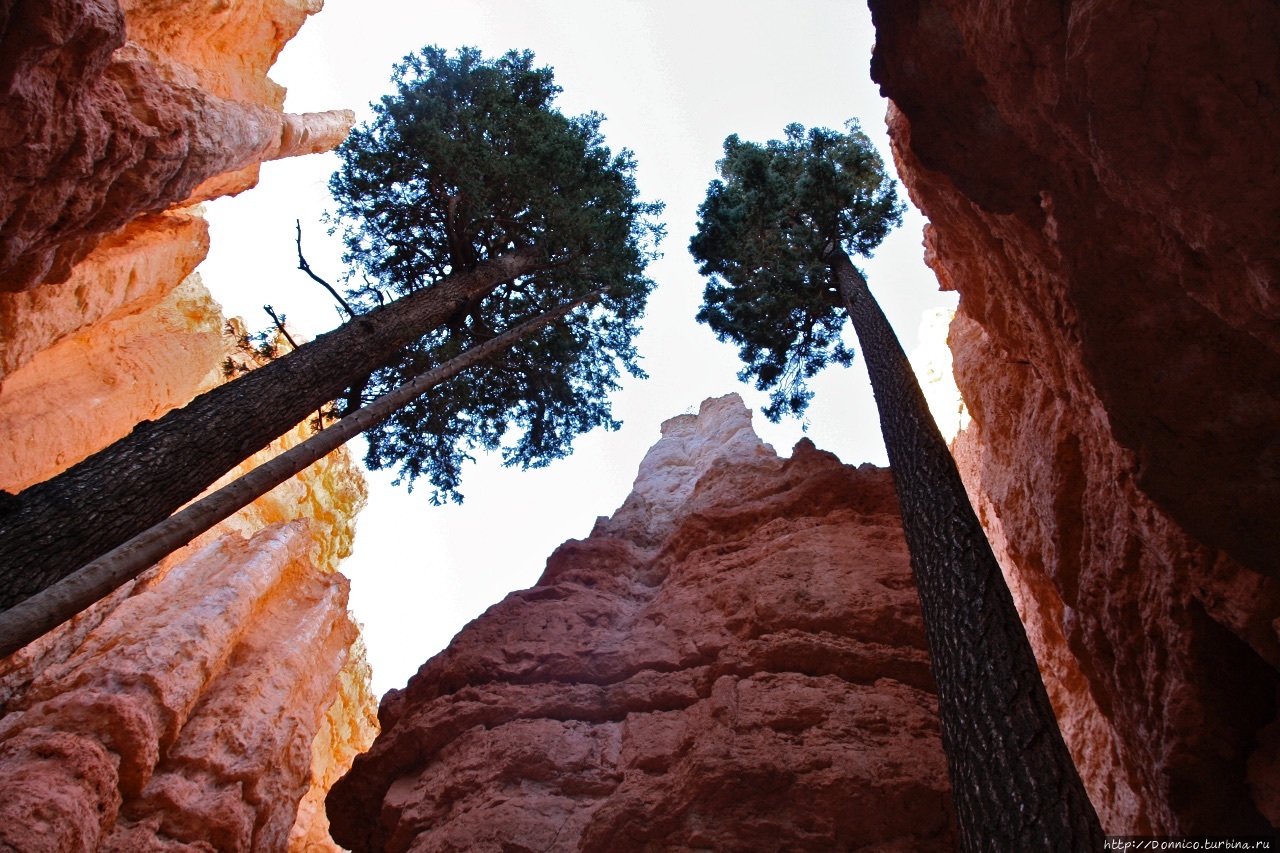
[188, 714]
[734, 661]
[1102, 184]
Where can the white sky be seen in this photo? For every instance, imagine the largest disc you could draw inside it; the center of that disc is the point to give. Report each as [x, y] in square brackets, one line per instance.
[673, 79]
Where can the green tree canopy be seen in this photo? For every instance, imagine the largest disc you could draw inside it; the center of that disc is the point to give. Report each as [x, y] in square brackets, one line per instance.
[778, 228]
[764, 235]
[466, 161]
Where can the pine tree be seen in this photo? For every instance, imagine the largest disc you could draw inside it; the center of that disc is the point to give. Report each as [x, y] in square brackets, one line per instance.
[44, 611]
[465, 161]
[775, 233]
[477, 260]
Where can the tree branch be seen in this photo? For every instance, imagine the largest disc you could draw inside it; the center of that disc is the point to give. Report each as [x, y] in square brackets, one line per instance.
[45, 610]
[271, 312]
[306, 268]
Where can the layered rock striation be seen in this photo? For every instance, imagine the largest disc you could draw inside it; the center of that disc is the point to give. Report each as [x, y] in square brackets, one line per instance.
[214, 700]
[1103, 193]
[188, 714]
[735, 660]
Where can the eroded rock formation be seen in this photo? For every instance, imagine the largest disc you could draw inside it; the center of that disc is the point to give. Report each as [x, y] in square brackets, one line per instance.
[1102, 189]
[215, 747]
[211, 703]
[733, 661]
[107, 113]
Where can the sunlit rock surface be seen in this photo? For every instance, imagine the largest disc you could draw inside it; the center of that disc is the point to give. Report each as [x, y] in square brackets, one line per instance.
[348, 729]
[90, 388]
[1102, 185]
[254, 635]
[734, 660]
[130, 272]
[108, 113]
[193, 705]
[211, 703]
[282, 614]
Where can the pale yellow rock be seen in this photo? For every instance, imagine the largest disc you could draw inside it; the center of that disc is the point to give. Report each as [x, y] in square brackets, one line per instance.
[348, 729]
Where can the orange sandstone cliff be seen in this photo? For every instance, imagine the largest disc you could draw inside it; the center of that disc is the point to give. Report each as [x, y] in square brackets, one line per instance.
[211, 703]
[735, 660]
[1102, 184]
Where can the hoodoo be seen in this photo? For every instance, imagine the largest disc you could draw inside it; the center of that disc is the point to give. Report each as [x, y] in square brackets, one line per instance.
[213, 701]
[734, 660]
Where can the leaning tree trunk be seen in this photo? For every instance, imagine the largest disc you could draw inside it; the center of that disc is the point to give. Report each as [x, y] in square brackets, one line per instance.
[49, 608]
[53, 528]
[1013, 782]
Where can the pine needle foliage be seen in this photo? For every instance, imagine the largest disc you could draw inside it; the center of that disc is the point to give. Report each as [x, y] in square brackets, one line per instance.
[763, 236]
[467, 160]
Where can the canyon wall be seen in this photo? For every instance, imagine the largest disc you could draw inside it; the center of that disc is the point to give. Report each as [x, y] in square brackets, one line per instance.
[212, 702]
[108, 112]
[735, 660]
[1102, 186]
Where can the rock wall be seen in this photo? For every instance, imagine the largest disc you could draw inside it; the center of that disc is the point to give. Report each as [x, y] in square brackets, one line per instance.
[211, 703]
[237, 652]
[212, 748]
[111, 112]
[1103, 192]
[735, 660]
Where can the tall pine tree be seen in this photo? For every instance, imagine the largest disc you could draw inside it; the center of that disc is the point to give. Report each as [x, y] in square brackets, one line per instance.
[564, 219]
[466, 161]
[775, 235]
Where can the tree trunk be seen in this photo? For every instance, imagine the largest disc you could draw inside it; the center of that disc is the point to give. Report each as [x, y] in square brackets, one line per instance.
[49, 608]
[55, 527]
[1014, 784]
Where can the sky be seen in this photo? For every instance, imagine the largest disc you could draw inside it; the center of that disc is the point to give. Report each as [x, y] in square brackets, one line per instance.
[673, 79]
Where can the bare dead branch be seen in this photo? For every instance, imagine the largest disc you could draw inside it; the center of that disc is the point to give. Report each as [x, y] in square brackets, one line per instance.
[279, 321]
[306, 268]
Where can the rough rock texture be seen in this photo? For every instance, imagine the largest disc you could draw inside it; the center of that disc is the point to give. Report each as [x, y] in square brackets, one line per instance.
[105, 114]
[78, 396]
[211, 703]
[1104, 194]
[284, 678]
[734, 661]
[295, 633]
[277, 702]
[348, 729]
[130, 272]
[249, 638]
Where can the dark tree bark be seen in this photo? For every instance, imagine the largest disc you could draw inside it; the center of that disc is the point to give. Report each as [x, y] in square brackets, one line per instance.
[1014, 784]
[44, 611]
[53, 528]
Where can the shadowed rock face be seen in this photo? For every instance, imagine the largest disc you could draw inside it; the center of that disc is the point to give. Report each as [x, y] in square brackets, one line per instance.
[734, 661]
[1102, 186]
